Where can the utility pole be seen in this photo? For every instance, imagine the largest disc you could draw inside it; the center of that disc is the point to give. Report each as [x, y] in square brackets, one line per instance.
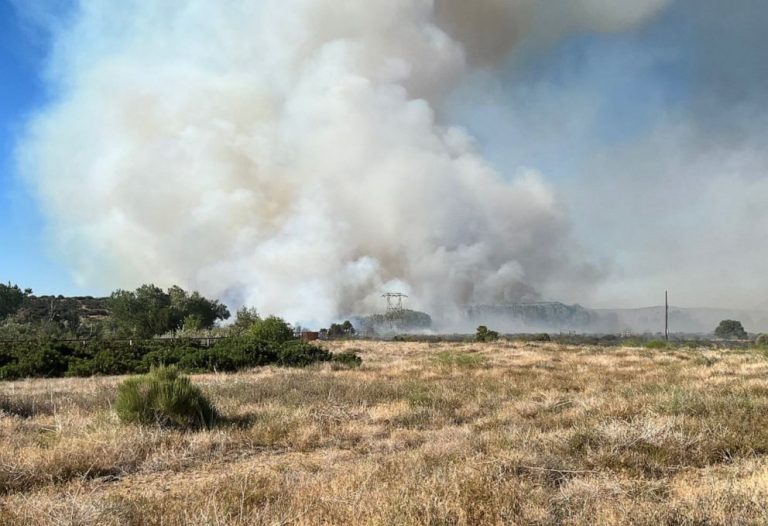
[666, 315]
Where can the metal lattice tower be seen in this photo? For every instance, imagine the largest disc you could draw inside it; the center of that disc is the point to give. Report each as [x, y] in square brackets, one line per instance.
[394, 301]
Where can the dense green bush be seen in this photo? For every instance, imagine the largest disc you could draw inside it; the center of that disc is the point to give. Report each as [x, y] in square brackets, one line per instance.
[113, 357]
[149, 311]
[164, 397]
[272, 329]
[300, 354]
[246, 350]
[762, 340]
[6, 356]
[348, 359]
[33, 360]
[731, 330]
[484, 335]
[11, 299]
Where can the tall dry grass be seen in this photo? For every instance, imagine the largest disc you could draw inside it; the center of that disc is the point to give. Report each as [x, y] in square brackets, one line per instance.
[420, 434]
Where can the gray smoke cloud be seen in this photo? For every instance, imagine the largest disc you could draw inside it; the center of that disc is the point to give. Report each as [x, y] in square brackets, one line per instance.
[660, 150]
[293, 155]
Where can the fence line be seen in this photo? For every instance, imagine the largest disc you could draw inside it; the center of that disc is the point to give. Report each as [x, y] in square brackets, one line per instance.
[131, 341]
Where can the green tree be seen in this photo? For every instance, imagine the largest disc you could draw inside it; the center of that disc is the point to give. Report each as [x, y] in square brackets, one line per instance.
[272, 329]
[245, 318]
[150, 311]
[143, 313]
[193, 311]
[484, 335]
[341, 330]
[11, 299]
[731, 330]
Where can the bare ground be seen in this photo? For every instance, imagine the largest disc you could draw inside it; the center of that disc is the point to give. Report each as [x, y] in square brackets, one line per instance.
[421, 434]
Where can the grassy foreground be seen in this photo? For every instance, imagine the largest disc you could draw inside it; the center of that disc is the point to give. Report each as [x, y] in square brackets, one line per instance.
[505, 433]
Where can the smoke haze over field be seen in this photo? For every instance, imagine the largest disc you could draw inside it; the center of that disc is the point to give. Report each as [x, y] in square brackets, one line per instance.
[303, 156]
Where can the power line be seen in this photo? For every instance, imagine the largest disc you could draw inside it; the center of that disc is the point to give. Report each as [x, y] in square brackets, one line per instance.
[394, 301]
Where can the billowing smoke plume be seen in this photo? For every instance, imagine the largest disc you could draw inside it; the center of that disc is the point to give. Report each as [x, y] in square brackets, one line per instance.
[291, 154]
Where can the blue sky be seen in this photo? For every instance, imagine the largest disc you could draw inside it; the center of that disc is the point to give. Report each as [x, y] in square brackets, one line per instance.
[25, 254]
[23, 257]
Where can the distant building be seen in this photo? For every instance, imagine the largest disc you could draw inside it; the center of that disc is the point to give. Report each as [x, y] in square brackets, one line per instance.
[310, 336]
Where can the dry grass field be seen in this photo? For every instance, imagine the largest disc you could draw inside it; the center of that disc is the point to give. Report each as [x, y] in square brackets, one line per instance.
[505, 433]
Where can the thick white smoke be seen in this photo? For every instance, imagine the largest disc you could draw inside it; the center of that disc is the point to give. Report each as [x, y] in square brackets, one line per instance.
[289, 154]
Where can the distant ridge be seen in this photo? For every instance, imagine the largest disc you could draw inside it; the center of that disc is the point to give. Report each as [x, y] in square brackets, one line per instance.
[556, 316]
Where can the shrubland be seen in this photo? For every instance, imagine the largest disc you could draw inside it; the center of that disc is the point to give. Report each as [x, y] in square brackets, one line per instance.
[261, 342]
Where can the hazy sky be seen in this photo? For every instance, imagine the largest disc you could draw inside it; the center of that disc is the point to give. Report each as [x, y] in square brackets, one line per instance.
[648, 139]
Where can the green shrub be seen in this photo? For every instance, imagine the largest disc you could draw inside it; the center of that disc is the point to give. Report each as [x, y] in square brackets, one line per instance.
[731, 330]
[270, 343]
[272, 329]
[35, 360]
[348, 359]
[243, 351]
[6, 356]
[762, 340]
[484, 335]
[105, 362]
[164, 397]
[300, 354]
[656, 344]
[166, 356]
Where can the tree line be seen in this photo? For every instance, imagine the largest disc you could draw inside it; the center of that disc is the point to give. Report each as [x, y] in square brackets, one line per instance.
[50, 336]
[145, 312]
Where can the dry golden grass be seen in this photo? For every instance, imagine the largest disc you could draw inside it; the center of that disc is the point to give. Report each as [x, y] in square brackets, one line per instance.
[421, 434]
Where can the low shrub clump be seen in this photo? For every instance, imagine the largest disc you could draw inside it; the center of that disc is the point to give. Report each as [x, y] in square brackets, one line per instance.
[484, 335]
[346, 359]
[300, 354]
[165, 398]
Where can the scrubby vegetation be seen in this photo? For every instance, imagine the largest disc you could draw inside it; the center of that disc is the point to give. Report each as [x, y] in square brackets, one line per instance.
[11, 299]
[483, 334]
[149, 311]
[268, 341]
[731, 330]
[144, 313]
[463, 433]
[164, 398]
[340, 330]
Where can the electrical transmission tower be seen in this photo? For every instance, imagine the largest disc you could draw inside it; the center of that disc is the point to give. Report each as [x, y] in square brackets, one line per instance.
[394, 301]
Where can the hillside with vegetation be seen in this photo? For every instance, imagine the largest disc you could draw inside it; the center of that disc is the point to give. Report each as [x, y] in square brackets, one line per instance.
[134, 331]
